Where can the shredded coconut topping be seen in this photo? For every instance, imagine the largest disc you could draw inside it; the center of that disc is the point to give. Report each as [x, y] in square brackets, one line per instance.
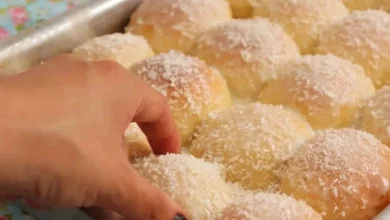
[329, 76]
[188, 17]
[255, 40]
[123, 48]
[305, 19]
[194, 184]
[268, 206]
[245, 51]
[364, 38]
[179, 77]
[321, 83]
[251, 141]
[374, 116]
[345, 168]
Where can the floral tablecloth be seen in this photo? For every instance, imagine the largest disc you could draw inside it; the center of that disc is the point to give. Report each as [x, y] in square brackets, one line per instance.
[16, 15]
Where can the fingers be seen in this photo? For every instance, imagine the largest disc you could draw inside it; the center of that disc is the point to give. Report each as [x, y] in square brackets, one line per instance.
[155, 120]
[9, 198]
[134, 197]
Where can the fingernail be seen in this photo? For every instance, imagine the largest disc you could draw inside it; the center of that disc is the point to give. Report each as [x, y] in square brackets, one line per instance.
[180, 217]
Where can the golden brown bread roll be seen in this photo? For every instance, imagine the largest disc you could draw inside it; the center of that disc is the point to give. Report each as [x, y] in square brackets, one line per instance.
[192, 88]
[363, 38]
[374, 116]
[326, 89]
[136, 142]
[251, 141]
[268, 206]
[245, 52]
[175, 24]
[125, 49]
[343, 174]
[368, 4]
[197, 186]
[304, 20]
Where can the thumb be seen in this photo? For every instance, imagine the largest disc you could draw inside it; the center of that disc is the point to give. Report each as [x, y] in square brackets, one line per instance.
[133, 197]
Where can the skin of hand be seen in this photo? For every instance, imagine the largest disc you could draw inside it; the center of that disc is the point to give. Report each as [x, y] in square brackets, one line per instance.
[61, 138]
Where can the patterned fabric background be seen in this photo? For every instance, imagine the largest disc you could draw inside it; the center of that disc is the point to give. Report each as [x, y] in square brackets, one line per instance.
[16, 15]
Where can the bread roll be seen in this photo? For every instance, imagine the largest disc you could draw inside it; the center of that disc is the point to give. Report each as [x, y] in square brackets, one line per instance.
[304, 20]
[251, 141]
[267, 206]
[136, 142]
[326, 89]
[368, 4]
[343, 174]
[197, 186]
[192, 88]
[125, 49]
[374, 116]
[175, 24]
[245, 51]
[363, 38]
[241, 8]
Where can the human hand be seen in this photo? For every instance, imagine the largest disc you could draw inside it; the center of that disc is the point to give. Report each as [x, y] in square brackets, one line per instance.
[61, 135]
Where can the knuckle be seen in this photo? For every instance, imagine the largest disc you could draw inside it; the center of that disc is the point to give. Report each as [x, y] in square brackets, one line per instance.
[112, 71]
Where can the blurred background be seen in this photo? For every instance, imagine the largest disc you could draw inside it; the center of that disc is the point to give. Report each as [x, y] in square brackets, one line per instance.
[16, 15]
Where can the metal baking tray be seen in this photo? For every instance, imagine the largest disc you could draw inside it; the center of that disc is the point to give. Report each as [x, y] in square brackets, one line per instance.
[58, 35]
[61, 34]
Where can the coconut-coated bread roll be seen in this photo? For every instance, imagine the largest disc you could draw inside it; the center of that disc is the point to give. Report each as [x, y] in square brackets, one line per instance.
[368, 4]
[326, 89]
[304, 20]
[251, 141]
[268, 206]
[363, 37]
[374, 116]
[245, 52]
[192, 88]
[175, 24]
[343, 174]
[241, 8]
[197, 186]
[136, 142]
[125, 49]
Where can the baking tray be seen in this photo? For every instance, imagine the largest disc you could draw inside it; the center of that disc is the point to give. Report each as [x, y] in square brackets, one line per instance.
[58, 35]
[61, 34]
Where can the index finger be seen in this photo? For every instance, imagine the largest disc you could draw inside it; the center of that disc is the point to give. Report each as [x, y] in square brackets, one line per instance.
[155, 119]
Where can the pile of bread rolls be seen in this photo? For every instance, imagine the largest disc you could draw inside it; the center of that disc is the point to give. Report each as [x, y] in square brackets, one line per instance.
[283, 105]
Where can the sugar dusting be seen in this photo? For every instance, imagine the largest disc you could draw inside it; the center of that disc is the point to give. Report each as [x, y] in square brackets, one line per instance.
[196, 185]
[344, 163]
[251, 139]
[268, 206]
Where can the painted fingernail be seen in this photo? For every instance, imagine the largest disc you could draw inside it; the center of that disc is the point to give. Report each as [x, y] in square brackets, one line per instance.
[180, 217]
